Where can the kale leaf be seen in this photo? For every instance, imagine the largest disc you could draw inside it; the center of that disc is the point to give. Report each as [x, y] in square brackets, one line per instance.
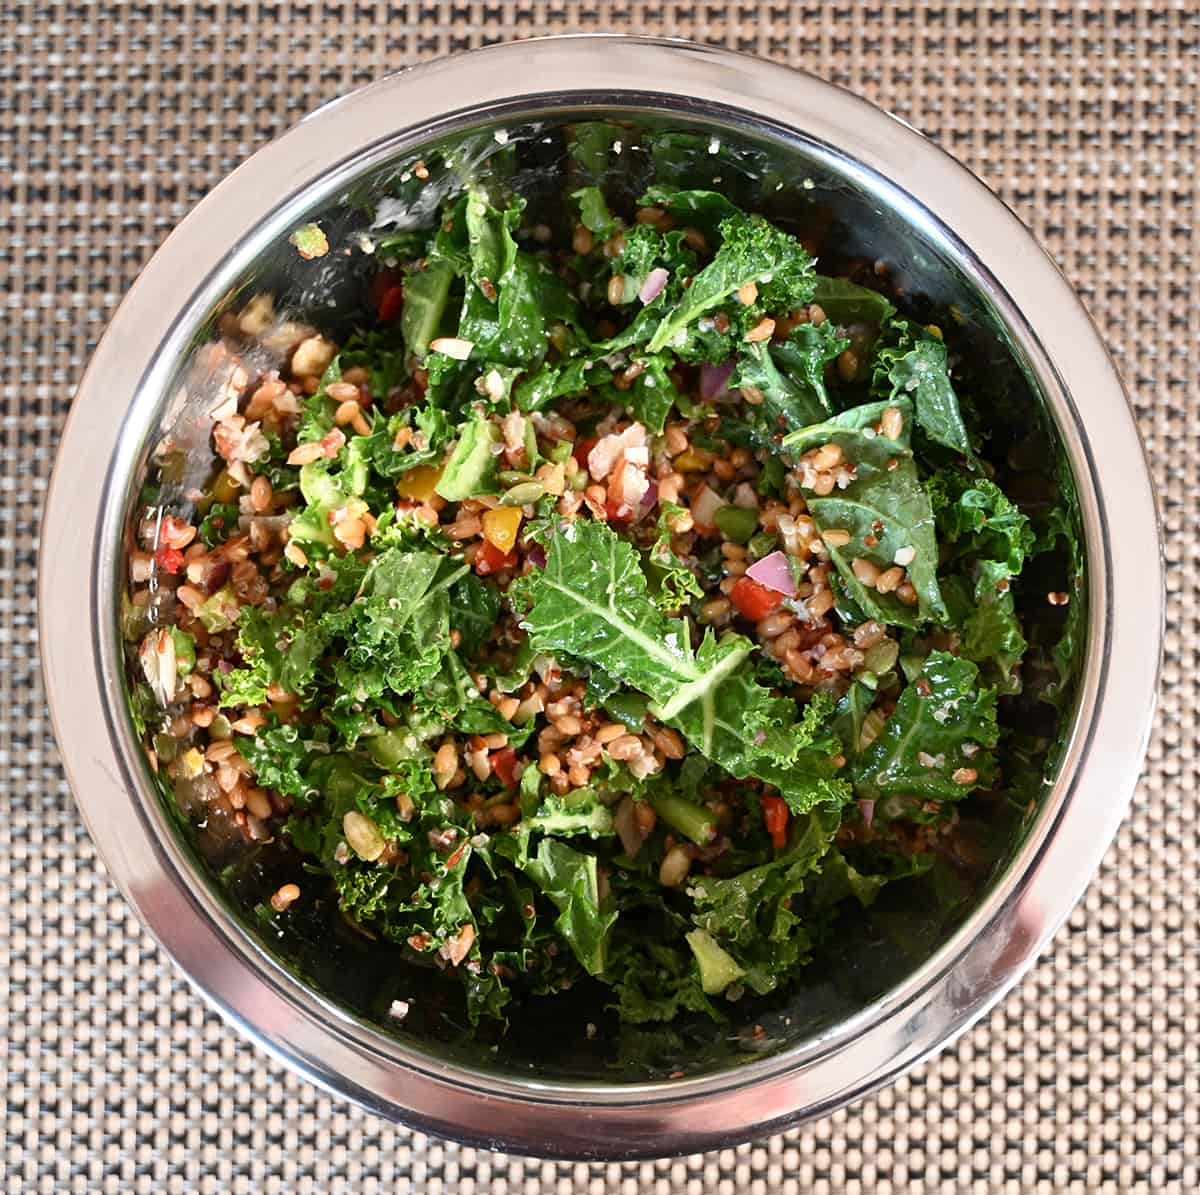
[651, 395]
[395, 635]
[563, 380]
[752, 251]
[704, 210]
[790, 376]
[591, 601]
[938, 742]
[579, 812]
[474, 609]
[279, 649]
[989, 540]
[884, 508]
[569, 880]
[846, 302]
[655, 982]
[753, 915]
[785, 401]
[426, 298]
[671, 582]
[593, 212]
[915, 366]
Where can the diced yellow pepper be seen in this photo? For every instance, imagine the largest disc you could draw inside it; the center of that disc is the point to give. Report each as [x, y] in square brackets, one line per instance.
[695, 460]
[500, 527]
[419, 483]
[934, 331]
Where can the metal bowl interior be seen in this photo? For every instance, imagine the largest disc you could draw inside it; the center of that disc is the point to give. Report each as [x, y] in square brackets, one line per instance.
[823, 161]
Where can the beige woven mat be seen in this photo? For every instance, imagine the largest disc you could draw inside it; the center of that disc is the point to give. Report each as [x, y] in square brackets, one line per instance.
[115, 119]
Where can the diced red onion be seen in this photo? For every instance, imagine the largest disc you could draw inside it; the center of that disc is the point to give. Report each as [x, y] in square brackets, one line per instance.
[714, 380]
[706, 504]
[208, 575]
[536, 556]
[649, 499]
[653, 285]
[775, 573]
[867, 809]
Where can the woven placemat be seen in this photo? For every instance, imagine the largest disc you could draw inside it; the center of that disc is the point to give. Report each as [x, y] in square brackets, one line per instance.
[115, 119]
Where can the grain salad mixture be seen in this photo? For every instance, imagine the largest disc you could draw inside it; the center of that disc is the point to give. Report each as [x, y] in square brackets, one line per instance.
[616, 604]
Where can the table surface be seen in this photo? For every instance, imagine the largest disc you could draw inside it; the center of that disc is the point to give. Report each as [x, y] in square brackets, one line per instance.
[116, 118]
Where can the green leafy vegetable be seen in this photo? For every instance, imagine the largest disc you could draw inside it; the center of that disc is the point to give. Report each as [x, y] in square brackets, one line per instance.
[219, 522]
[280, 757]
[594, 213]
[753, 917]
[568, 878]
[785, 399]
[884, 508]
[538, 391]
[279, 650]
[426, 295]
[591, 600]
[917, 368]
[474, 608]
[938, 742]
[846, 302]
[700, 209]
[579, 813]
[655, 982]
[651, 395]
[671, 582]
[717, 968]
[591, 144]
[851, 713]
[990, 539]
[752, 251]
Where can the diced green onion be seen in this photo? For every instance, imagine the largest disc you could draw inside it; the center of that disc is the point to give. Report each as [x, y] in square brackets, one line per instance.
[692, 821]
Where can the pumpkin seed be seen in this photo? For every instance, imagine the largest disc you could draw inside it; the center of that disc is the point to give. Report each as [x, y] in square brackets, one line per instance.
[526, 491]
[363, 836]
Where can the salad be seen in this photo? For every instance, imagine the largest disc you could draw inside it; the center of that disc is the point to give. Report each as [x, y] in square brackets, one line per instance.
[621, 606]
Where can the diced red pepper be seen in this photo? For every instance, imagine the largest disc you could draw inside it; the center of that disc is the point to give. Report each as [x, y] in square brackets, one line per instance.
[754, 601]
[391, 304]
[775, 818]
[383, 282]
[504, 764]
[619, 512]
[491, 560]
[170, 560]
[583, 446]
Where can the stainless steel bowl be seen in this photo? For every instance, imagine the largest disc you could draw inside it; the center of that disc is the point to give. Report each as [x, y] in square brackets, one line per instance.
[895, 195]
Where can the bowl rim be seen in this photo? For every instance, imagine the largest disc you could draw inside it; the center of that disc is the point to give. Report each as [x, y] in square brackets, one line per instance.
[81, 658]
